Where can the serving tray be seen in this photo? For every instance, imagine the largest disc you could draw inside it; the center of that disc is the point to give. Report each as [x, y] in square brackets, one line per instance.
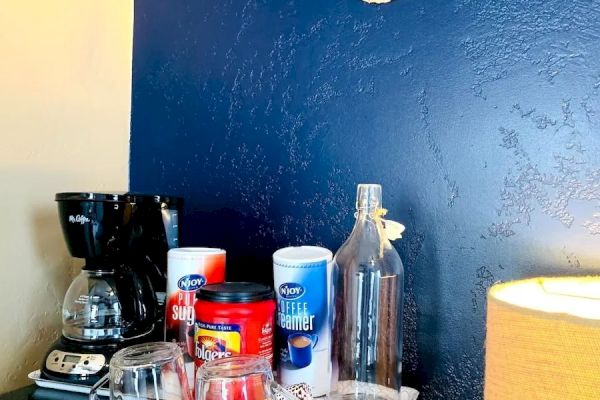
[36, 376]
[407, 393]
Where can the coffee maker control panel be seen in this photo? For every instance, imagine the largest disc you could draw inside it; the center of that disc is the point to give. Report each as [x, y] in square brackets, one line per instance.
[74, 364]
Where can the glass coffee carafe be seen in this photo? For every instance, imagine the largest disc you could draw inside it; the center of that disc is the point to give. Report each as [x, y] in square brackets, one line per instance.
[107, 305]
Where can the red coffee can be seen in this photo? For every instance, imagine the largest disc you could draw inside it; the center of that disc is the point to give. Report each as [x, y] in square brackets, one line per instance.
[234, 318]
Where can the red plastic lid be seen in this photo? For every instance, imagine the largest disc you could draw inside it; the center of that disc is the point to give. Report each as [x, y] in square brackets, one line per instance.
[235, 292]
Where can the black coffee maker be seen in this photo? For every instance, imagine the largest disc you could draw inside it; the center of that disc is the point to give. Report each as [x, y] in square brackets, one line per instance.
[118, 298]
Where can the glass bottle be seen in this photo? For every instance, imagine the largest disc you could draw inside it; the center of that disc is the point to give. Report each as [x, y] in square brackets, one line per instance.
[368, 289]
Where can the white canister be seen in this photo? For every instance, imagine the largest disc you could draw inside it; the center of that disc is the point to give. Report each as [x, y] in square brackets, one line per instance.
[188, 269]
[302, 278]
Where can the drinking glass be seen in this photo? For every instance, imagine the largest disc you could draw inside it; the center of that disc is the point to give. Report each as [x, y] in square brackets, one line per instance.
[147, 371]
[245, 377]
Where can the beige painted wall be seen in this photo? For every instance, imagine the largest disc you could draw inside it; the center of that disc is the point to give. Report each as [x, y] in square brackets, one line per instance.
[65, 88]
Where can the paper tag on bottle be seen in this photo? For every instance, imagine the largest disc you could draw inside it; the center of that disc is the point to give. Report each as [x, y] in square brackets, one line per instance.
[393, 230]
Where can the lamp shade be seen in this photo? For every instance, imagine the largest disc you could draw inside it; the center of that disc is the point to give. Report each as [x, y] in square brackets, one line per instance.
[543, 340]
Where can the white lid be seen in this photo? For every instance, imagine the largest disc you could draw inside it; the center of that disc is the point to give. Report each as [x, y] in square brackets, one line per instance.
[193, 252]
[302, 254]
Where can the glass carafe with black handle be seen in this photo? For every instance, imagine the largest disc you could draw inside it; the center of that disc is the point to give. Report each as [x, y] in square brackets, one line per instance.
[108, 304]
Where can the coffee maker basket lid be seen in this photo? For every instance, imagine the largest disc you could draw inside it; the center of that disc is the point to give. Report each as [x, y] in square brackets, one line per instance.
[117, 197]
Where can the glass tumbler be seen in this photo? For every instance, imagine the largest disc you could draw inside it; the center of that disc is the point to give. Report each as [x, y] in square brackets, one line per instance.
[147, 371]
[246, 377]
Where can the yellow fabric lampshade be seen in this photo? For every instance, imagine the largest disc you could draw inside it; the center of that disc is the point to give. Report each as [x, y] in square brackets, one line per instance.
[543, 340]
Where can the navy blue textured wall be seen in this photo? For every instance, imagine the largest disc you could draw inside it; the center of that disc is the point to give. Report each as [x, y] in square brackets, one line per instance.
[480, 118]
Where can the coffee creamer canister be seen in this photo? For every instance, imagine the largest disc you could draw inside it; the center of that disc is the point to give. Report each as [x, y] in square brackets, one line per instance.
[234, 318]
[302, 278]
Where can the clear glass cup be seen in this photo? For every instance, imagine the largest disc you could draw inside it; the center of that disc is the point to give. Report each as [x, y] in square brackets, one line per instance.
[246, 377]
[147, 371]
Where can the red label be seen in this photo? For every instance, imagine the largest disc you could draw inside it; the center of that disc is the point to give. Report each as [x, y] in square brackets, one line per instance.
[185, 276]
[223, 329]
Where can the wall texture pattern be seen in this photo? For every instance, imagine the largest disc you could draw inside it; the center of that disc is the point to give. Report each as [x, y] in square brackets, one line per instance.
[480, 118]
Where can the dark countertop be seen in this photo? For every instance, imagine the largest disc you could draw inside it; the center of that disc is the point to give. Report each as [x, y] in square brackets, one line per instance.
[35, 393]
[18, 394]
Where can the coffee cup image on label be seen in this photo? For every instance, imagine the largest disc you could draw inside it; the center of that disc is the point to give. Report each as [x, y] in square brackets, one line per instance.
[300, 347]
